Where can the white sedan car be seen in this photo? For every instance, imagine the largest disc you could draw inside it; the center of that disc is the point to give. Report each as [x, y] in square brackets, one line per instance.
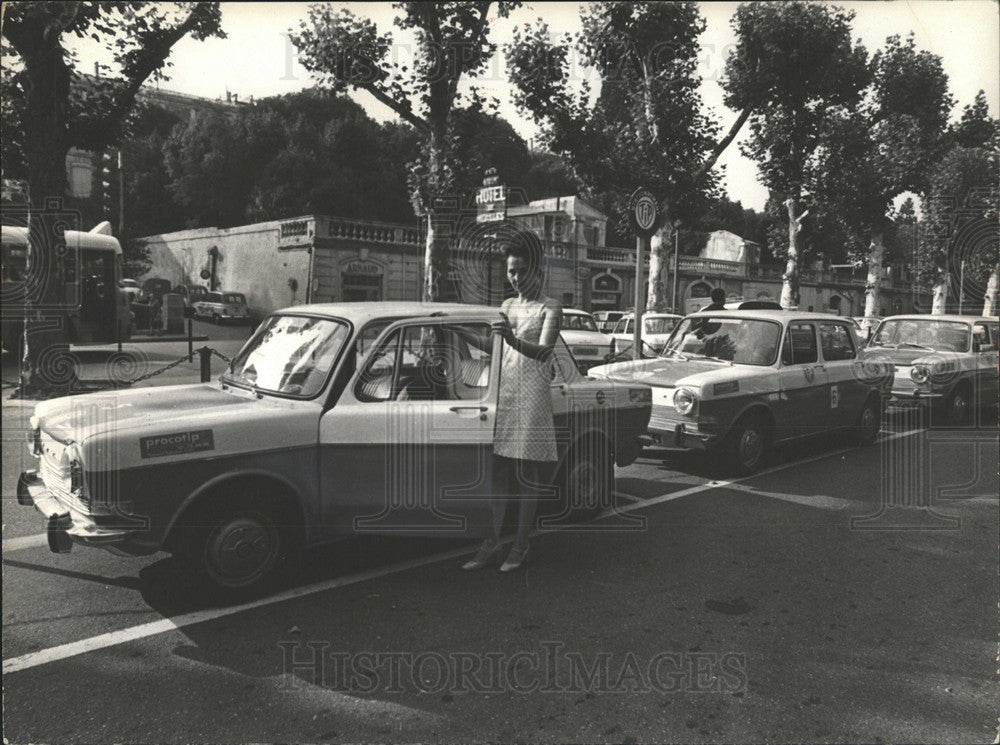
[656, 329]
[589, 346]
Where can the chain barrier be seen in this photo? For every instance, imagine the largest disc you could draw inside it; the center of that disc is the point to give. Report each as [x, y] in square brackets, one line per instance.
[154, 373]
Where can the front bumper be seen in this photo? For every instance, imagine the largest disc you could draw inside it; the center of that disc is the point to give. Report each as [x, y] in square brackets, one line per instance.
[908, 398]
[681, 436]
[66, 526]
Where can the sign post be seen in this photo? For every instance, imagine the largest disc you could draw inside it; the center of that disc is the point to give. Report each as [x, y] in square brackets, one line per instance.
[643, 211]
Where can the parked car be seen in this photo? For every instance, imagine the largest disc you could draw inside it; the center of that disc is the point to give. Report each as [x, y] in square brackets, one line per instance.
[753, 305]
[191, 293]
[222, 306]
[332, 421]
[606, 319]
[737, 383]
[589, 346]
[131, 288]
[656, 329]
[947, 363]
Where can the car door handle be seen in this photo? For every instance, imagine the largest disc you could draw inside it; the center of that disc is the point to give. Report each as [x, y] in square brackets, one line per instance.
[468, 408]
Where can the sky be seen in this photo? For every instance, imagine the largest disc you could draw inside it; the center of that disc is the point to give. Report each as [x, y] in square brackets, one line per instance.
[257, 59]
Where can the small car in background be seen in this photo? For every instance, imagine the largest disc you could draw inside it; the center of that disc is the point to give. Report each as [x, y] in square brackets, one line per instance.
[131, 288]
[191, 293]
[589, 346]
[947, 363]
[656, 329]
[606, 319]
[737, 383]
[155, 286]
[222, 306]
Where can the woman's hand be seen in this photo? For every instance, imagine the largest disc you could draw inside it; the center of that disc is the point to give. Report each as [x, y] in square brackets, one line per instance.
[503, 329]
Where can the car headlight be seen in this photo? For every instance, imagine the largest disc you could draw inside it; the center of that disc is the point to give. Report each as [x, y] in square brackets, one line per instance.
[919, 374]
[685, 401]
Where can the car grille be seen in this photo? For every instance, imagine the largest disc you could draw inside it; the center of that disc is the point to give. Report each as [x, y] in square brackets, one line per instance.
[55, 476]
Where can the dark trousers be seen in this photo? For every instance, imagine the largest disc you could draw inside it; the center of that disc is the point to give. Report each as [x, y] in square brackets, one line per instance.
[522, 480]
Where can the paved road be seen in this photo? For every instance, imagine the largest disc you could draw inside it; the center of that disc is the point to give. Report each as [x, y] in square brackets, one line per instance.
[803, 604]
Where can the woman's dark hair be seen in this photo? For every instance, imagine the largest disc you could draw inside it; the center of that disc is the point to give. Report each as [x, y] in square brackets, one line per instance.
[525, 245]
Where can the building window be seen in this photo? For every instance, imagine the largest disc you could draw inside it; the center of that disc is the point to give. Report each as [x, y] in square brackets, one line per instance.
[567, 299]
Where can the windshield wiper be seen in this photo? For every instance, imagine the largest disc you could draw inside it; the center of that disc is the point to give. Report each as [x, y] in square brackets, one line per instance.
[915, 346]
[676, 353]
[708, 357]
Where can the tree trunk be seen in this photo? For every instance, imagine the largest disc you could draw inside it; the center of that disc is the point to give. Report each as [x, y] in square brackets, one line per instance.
[939, 306]
[658, 288]
[46, 364]
[990, 298]
[790, 280]
[437, 240]
[873, 288]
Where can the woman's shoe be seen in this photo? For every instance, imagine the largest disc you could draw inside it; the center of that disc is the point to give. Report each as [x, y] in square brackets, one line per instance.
[486, 553]
[515, 559]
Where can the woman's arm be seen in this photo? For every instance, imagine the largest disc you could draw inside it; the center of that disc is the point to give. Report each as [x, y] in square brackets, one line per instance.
[547, 340]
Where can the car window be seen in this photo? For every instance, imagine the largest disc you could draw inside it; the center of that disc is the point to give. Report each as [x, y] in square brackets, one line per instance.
[577, 322]
[738, 340]
[235, 298]
[921, 333]
[800, 345]
[622, 326]
[428, 363]
[837, 342]
[213, 297]
[292, 355]
[659, 325]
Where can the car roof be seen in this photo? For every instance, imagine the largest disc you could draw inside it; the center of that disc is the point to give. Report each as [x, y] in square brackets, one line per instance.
[361, 312]
[575, 312]
[950, 317]
[780, 316]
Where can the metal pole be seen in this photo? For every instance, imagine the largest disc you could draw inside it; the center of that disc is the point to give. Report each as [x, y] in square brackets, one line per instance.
[640, 246]
[206, 364]
[190, 341]
[677, 251]
[961, 288]
[121, 196]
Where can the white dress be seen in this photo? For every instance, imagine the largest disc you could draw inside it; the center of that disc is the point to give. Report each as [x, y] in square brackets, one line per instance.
[524, 426]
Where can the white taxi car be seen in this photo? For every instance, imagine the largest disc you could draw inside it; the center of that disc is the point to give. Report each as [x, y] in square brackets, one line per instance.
[737, 383]
[589, 346]
[333, 420]
[947, 362]
[221, 306]
[656, 329]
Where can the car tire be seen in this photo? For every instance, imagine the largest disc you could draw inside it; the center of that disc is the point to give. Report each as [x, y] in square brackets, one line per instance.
[869, 422]
[746, 446]
[235, 548]
[587, 478]
[957, 407]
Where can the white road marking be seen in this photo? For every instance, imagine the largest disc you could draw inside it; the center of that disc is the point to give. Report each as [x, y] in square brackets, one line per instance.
[28, 541]
[821, 501]
[154, 628]
[623, 495]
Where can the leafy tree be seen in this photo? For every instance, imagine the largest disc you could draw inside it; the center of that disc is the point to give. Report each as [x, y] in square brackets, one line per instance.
[962, 210]
[794, 62]
[976, 128]
[869, 155]
[55, 114]
[647, 126]
[452, 43]
[549, 176]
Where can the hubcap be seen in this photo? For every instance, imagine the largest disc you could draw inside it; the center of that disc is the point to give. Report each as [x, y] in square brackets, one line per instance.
[751, 447]
[959, 407]
[241, 550]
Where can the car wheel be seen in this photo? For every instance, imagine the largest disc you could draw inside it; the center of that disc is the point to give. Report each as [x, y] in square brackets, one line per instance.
[237, 549]
[869, 422]
[746, 446]
[587, 478]
[957, 407]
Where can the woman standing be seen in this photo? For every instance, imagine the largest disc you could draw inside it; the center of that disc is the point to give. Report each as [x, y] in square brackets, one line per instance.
[524, 444]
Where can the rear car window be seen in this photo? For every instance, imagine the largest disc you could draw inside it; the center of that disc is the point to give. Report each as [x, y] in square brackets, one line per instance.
[836, 341]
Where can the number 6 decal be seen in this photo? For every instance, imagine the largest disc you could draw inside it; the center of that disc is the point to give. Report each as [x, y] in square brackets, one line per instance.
[834, 396]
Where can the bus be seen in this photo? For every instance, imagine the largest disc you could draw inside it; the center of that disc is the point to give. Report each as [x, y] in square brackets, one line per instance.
[97, 303]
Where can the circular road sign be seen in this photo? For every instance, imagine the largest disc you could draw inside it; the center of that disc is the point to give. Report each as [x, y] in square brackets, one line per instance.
[643, 209]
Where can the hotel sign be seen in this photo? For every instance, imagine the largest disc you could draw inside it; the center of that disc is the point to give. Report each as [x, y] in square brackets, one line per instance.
[491, 204]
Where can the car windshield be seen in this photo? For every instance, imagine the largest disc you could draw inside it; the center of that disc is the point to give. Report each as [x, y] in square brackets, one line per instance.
[234, 298]
[737, 340]
[129, 283]
[292, 355]
[921, 333]
[659, 325]
[576, 322]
